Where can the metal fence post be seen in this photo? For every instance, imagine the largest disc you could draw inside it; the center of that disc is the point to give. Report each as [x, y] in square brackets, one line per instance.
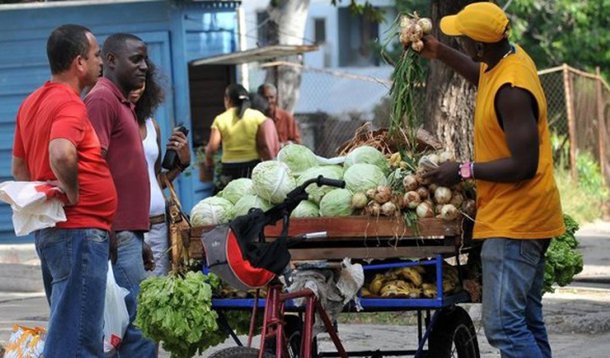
[567, 84]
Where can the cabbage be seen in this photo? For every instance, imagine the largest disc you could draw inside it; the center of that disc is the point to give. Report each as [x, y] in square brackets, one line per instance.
[369, 155]
[338, 202]
[298, 158]
[236, 189]
[362, 177]
[247, 202]
[272, 180]
[305, 209]
[317, 192]
[211, 211]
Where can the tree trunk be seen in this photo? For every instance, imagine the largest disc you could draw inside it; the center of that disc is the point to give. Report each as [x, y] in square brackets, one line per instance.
[449, 96]
[286, 26]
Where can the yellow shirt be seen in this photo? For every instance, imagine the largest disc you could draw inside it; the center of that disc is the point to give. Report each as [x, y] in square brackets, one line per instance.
[530, 209]
[238, 134]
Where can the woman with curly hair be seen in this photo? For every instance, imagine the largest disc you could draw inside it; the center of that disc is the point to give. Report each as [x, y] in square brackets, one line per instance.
[147, 99]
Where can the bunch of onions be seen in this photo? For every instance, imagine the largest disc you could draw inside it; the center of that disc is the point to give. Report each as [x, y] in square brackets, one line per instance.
[412, 29]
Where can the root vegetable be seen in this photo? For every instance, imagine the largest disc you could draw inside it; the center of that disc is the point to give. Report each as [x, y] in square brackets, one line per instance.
[424, 210]
[457, 199]
[371, 193]
[449, 212]
[423, 192]
[469, 207]
[359, 200]
[388, 209]
[438, 208]
[432, 188]
[417, 45]
[383, 194]
[442, 195]
[410, 182]
[412, 199]
[425, 24]
[445, 157]
[373, 208]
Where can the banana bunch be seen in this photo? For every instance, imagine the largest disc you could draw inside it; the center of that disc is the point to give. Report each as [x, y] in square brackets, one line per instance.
[451, 278]
[400, 288]
[429, 290]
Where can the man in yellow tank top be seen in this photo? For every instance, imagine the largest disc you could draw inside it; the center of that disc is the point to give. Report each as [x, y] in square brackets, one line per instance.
[518, 206]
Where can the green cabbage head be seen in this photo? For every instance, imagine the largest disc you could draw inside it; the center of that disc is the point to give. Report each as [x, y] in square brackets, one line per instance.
[317, 192]
[369, 155]
[243, 205]
[236, 189]
[211, 211]
[362, 177]
[306, 209]
[337, 202]
[272, 180]
[298, 158]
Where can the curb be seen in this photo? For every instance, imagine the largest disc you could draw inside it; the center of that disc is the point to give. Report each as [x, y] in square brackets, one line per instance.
[20, 278]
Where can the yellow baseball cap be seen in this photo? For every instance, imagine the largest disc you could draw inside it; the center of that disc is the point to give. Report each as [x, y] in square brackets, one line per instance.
[481, 21]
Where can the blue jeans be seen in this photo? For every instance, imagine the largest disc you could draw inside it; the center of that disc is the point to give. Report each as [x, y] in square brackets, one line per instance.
[74, 266]
[129, 272]
[513, 274]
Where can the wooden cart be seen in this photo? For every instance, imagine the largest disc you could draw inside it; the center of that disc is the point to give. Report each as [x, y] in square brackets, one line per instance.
[364, 237]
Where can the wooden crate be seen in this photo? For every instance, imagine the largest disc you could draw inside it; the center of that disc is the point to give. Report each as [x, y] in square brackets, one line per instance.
[360, 237]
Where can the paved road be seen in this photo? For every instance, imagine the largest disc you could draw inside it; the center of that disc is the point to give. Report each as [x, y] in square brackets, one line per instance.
[578, 316]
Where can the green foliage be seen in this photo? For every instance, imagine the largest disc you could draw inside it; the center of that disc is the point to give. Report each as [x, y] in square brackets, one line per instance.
[177, 310]
[563, 261]
[563, 31]
[589, 174]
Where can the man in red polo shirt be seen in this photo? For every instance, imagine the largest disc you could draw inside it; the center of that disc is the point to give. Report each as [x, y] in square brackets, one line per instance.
[287, 127]
[116, 124]
[54, 141]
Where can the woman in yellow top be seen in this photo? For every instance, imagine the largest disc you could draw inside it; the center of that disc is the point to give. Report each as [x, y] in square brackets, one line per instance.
[518, 205]
[238, 129]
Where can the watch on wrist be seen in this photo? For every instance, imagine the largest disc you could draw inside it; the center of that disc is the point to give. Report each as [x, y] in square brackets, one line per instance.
[465, 170]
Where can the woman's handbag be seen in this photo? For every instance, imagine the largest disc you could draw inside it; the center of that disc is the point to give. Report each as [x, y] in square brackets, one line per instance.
[178, 228]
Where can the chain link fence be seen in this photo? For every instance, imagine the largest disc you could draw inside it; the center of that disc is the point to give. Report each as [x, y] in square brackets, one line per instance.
[333, 103]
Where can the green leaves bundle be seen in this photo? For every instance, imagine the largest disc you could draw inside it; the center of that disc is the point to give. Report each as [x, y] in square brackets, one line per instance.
[177, 310]
[563, 261]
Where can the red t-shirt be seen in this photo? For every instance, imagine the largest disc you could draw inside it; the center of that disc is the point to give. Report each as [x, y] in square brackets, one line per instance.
[56, 111]
[115, 122]
[287, 127]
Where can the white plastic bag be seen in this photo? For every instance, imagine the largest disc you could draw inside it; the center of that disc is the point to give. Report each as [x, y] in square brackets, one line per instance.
[116, 317]
[36, 205]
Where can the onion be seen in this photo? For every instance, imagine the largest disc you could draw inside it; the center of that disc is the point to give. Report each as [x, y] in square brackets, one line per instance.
[425, 24]
[371, 193]
[419, 175]
[432, 188]
[417, 45]
[410, 182]
[438, 208]
[424, 210]
[423, 192]
[457, 199]
[383, 194]
[388, 209]
[373, 208]
[449, 212]
[359, 200]
[434, 159]
[445, 157]
[469, 207]
[442, 195]
[412, 199]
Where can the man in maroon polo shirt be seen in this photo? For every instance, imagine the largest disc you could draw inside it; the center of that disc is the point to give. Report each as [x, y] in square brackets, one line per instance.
[115, 122]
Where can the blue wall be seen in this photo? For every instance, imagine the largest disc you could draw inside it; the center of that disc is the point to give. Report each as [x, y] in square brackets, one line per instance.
[175, 34]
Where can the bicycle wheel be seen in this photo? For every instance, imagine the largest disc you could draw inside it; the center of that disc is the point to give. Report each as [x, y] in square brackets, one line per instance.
[453, 335]
[239, 352]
